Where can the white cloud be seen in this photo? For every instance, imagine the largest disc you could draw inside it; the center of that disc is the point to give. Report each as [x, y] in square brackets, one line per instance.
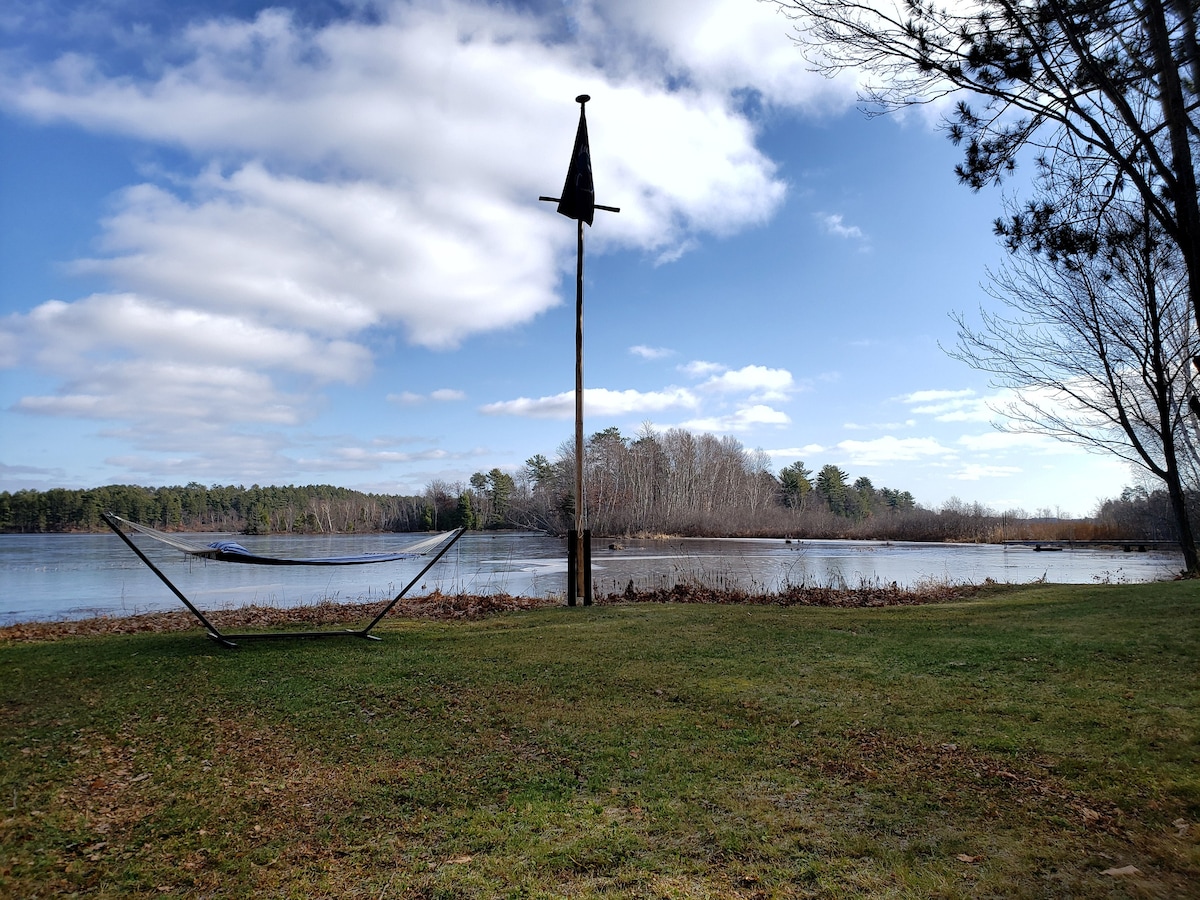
[337, 257]
[881, 426]
[676, 252]
[1001, 442]
[71, 337]
[651, 353]
[890, 449]
[159, 397]
[794, 453]
[834, 223]
[596, 401]
[723, 46]
[700, 369]
[365, 176]
[978, 472]
[936, 395]
[951, 405]
[761, 382]
[441, 395]
[406, 398]
[362, 458]
[743, 419]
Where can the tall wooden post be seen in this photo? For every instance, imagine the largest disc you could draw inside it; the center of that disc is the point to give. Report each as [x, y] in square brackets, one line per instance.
[578, 201]
[582, 586]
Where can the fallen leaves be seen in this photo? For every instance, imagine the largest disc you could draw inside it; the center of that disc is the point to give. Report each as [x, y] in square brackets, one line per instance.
[449, 607]
[436, 606]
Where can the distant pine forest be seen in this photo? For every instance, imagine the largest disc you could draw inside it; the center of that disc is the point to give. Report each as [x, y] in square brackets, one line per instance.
[669, 483]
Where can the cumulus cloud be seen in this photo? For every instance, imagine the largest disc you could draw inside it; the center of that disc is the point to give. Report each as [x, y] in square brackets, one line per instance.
[149, 394]
[371, 175]
[743, 419]
[71, 338]
[889, 449]
[748, 390]
[760, 382]
[597, 401]
[336, 185]
[717, 46]
[699, 368]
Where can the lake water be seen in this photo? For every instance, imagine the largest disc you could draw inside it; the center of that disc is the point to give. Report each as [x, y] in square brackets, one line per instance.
[52, 577]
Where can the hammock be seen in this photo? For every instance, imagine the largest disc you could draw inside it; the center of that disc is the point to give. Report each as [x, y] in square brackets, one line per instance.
[231, 551]
[228, 551]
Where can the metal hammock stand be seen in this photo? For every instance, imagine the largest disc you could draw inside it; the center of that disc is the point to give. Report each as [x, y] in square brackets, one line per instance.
[230, 640]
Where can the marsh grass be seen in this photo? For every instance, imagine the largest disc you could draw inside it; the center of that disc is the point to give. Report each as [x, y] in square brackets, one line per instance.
[1022, 744]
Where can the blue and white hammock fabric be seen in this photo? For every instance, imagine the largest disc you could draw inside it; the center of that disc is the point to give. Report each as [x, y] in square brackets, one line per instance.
[231, 551]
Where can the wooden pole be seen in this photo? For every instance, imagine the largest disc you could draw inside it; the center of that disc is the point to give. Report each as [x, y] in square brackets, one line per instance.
[579, 555]
[581, 590]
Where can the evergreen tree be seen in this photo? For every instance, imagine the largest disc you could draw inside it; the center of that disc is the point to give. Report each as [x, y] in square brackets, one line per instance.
[794, 485]
[832, 488]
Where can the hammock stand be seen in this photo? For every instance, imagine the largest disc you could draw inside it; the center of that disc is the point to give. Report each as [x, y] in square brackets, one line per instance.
[226, 555]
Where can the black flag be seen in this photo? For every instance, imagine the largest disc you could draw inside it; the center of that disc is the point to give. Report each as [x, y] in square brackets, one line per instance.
[578, 199]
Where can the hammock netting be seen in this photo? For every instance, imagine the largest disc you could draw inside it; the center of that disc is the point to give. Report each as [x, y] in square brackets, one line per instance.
[231, 551]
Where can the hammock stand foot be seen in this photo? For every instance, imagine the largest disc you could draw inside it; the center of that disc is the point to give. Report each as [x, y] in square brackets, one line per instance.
[230, 640]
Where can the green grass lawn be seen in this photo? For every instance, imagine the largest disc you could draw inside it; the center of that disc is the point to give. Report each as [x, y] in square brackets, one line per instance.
[1036, 742]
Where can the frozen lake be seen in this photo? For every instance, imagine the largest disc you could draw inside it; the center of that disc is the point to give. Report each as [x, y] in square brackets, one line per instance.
[51, 577]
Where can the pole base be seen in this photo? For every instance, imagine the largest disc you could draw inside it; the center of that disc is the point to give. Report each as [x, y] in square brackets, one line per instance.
[579, 568]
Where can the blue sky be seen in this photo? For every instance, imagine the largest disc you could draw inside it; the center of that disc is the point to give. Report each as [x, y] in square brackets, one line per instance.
[243, 243]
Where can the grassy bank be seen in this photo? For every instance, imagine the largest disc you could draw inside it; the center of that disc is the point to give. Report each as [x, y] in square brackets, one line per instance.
[1041, 741]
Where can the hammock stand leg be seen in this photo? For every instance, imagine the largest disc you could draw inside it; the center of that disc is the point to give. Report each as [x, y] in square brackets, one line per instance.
[229, 640]
[364, 633]
[387, 609]
[213, 633]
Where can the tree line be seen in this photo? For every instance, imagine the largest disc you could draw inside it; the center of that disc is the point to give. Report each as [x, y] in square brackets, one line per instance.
[655, 483]
[679, 483]
[312, 509]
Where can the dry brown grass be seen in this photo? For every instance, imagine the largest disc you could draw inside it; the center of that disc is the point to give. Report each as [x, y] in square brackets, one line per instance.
[455, 607]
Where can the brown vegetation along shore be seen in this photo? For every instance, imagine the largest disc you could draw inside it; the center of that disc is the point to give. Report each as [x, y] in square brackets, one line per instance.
[448, 607]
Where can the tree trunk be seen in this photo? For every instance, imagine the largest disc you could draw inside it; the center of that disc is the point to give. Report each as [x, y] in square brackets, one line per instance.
[1183, 191]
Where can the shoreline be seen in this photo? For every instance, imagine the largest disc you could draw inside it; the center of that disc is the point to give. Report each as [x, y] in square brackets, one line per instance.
[467, 607]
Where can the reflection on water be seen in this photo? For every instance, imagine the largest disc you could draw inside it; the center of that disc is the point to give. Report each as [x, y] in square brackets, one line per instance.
[47, 577]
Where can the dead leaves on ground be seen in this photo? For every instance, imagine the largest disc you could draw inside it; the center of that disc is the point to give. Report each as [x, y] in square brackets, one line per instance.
[464, 607]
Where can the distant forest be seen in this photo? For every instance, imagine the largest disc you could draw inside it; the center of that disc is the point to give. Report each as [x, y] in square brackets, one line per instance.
[658, 483]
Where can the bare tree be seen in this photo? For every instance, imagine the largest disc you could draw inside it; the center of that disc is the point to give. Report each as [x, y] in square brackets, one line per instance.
[1097, 349]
